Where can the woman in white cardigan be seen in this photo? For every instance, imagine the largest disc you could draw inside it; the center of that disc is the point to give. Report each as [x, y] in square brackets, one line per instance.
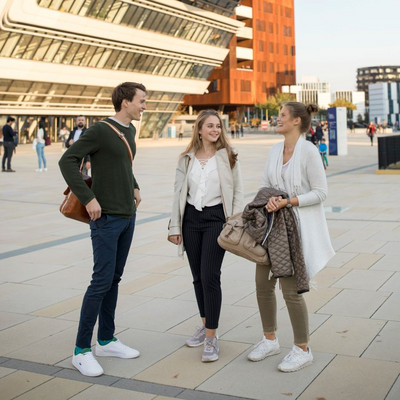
[295, 167]
[208, 188]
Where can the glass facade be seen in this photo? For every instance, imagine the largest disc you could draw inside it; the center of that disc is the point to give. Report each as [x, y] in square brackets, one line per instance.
[73, 52]
[224, 7]
[57, 97]
[180, 25]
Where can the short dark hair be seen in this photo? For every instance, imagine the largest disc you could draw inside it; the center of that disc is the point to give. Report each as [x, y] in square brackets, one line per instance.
[10, 119]
[126, 90]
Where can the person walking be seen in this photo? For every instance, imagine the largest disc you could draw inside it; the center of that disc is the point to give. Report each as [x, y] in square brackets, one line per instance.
[64, 133]
[319, 134]
[77, 132]
[111, 203]
[323, 149]
[8, 144]
[40, 144]
[208, 188]
[293, 166]
[371, 130]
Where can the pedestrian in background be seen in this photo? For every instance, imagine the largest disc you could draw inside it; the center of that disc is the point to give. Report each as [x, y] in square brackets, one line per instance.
[9, 145]
[371, 130]
[293, 166]
[323, 148]
[319, 134]
[208, 188]
[40, 144]
[64, 133]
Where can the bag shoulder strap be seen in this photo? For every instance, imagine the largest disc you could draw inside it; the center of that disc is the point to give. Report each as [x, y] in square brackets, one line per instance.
[122, 137]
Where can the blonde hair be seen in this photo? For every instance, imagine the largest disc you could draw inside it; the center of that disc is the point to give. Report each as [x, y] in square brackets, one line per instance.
[195, 143]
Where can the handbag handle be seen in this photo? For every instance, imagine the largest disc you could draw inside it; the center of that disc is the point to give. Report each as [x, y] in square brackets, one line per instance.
[122, 137]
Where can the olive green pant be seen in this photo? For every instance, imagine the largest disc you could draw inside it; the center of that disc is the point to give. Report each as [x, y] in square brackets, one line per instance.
[295, 303]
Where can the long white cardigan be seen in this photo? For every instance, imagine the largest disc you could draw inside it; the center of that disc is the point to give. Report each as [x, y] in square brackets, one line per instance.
[307, 182]
[231, 190]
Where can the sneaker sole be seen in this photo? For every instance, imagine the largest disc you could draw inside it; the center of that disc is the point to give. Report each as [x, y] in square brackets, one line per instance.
[296, 369]
[205, 360]
[194, 345]
[274, 353]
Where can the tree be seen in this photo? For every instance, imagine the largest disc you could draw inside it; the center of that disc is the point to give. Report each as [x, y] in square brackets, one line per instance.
[274, 102]
[343, 103]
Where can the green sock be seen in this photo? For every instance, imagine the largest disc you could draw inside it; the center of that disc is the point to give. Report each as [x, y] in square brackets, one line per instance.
[80, 350]
[104, 342]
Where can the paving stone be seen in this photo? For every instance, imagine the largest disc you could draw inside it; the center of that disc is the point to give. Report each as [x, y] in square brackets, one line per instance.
[31, 367]
[363, 280]
[254, 380]
[6, 371]
[340, 259]
[364, 246]
[349, 378]
[392, 284]
[19, 382]
[185, 369]
[75, 375]
[61, 389]
[390, 309]
[148, 387]
[345, 335]
[60, 308]
[328, 276]
[355, 303]
[363, 261]
[394, 393]
[386, 345]
[99, 392]
[388, 262]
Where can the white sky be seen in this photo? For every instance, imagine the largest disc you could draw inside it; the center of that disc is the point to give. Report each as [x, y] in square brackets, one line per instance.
[335, 37]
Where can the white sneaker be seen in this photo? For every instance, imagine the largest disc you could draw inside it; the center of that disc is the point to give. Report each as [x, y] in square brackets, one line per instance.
[86, 364]
[116, 349]
[296, 359]
[264, 348]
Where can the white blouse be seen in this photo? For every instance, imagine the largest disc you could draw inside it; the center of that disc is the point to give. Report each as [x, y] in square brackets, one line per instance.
[204, 184]
[40, 135]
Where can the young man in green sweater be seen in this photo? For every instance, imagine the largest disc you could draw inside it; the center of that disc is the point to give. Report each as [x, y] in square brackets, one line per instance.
[111, 203]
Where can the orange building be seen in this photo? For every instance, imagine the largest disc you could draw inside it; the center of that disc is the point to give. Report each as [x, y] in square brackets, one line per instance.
[261, 58]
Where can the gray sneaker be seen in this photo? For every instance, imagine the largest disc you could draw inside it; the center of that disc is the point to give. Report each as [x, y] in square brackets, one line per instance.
[198, 338]
[211, 350]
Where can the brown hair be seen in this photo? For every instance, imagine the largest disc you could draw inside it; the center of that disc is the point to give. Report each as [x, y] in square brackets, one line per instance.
[302, 111]
[126, 90]
[222, 142]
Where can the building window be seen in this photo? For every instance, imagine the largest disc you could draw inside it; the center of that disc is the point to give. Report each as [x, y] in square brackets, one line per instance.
[260, 25]
[245, 86]
[288, 12]
[285, 50]
[264, 66]
[287, 31]
[261, 45]
[214, 86]
[271, 48]
[292, 50]
[270, 27]
[268, 8]
[271, 67]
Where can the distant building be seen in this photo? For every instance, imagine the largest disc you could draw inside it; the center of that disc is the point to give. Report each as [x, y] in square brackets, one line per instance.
[261, 60]
[311, 91]
[357, 98]
[368, 75]
[59, 59]
[384, 102]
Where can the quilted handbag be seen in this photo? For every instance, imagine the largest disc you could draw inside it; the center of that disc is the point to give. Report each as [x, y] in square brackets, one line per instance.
[235, 239]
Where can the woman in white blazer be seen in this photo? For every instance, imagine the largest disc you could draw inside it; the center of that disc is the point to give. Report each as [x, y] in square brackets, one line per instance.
[208, 188]
[294, 166]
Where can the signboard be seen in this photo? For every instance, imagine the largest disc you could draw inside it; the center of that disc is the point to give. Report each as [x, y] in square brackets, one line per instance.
[337, 131]
[264, 125]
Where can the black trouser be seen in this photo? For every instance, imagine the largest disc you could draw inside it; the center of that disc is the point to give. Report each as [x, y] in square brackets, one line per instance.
[8, 152]
[200, 232]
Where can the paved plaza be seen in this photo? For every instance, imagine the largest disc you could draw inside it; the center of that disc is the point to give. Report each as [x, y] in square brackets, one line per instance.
[45, 267]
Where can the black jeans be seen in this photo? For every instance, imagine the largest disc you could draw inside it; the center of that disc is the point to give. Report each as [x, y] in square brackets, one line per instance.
[8, 153]
[111, 241]
[200, 232]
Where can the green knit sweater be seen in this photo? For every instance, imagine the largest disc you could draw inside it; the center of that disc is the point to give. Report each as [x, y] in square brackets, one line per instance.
[112, 177]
